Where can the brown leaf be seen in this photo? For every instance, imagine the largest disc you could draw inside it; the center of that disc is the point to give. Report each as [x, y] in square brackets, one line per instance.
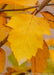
[50, 18]
[11, 70]
[7, 74]
[39, 62]
[2, 60]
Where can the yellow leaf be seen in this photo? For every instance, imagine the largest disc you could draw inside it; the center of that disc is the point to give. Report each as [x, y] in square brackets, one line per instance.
[19, 2]
[39, 62]
[52, 55]
[24, 45]
[2, 60]
[24, 21]
[50, 18]
[26, 36]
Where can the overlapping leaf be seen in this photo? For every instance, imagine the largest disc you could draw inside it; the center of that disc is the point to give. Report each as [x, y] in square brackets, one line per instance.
[16, 71]
[2, 60]
[4, 30]
[26, 35]
[39, 62]
[49, 17]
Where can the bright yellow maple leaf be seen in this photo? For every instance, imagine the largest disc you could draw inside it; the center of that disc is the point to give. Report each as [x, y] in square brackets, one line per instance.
[25, 21]
[24, 45]
[19, 2]
[26, 36]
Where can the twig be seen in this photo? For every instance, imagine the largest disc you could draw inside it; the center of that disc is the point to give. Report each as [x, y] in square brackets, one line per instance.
[1, 10]
[4, 6]
[50, 4]
[51, 20]
[43, 4]
[4, 41]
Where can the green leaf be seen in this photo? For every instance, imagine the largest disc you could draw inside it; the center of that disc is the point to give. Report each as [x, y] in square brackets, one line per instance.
[21, 68]
[50, 67]
[13, 60]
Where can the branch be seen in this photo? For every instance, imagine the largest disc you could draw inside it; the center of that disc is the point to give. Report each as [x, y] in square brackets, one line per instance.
[1, 10]
[43, 4]
[51, 20]
[4, 41]
[4, 6]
